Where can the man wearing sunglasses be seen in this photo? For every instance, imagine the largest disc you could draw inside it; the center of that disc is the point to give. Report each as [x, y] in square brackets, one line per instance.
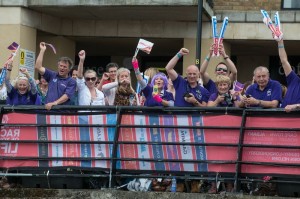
[60, 84]
[223, 68]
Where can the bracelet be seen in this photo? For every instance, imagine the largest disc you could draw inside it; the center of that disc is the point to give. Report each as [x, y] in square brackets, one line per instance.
[207, 58]
[226, 57]
[280, 46]
[8, 69]
[179, 55]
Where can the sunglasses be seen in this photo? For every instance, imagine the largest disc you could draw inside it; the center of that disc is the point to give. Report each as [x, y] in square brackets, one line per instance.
[90, 78]
[221, 69]
[97, 82]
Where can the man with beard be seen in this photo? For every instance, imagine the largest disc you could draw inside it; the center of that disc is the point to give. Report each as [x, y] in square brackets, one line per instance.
[264, 93]
[60, 84]
[188, 92]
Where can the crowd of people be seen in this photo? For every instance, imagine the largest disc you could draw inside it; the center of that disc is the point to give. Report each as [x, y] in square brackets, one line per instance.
[71, 85]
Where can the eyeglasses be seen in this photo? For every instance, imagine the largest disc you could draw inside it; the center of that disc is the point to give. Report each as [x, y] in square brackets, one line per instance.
[90, 78]
[97, 83]
[221, 69]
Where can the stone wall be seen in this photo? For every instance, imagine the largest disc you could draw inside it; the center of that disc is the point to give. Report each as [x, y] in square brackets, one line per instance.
[246, 5]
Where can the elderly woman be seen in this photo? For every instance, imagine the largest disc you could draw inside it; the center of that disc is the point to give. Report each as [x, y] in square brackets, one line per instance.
[124, 95]
[223, 98]
[156, 92]
[24, 91]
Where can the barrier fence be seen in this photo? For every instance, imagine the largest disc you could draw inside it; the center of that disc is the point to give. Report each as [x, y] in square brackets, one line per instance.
[219, 144]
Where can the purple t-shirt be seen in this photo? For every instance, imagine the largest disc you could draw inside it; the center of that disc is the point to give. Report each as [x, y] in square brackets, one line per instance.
[182, 87]
[293, 90]
[211, 87]
[271, 92]
[147, 91]
[15, 98]
[58, 86]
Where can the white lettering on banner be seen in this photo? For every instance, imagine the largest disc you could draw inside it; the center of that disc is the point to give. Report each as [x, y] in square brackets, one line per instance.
[10, 132]
[182, 139]
[9, 148]
[261, 134]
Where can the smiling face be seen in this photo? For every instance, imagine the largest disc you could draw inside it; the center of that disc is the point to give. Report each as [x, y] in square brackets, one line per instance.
[223, 84]
[261, 77]
[221, 69]
[90, 78]
[112, 73]
[22, 86]
[223, 87]
[192, 74]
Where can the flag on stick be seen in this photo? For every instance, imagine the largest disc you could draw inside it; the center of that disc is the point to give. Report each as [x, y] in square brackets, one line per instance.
[144, 45]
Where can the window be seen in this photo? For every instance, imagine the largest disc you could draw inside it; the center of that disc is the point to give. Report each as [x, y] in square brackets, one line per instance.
[290, 4]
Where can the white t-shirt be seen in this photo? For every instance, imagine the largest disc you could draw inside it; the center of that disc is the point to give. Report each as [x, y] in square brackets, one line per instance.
[84, 94]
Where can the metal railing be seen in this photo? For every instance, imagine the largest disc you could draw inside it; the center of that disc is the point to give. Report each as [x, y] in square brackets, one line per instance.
[238, 176]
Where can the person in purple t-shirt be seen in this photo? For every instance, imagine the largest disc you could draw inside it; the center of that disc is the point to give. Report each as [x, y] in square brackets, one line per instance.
[188, 92]
[223, 68]
[60, 85]
[264, 93]
[156, 93]
[224, 97]
[291, 100]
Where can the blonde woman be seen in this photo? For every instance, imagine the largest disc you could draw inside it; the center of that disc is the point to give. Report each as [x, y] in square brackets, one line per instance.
[24, 91]
[124, 94]
[223, 97]
[88, 94]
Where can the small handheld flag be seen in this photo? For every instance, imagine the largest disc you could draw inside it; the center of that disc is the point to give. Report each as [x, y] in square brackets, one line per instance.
[144, 45]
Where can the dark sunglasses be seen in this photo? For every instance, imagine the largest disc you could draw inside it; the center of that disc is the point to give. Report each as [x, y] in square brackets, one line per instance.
[90, 78]
[221, 69]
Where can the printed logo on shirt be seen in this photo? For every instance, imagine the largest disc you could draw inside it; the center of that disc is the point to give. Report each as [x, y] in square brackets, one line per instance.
[54, 80]
[63, 85]
[269, 92]
[198, 94]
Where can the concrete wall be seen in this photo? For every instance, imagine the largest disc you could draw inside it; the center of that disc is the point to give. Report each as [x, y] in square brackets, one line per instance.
[238, 5]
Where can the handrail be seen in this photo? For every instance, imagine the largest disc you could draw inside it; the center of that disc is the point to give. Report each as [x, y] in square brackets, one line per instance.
[116, 143]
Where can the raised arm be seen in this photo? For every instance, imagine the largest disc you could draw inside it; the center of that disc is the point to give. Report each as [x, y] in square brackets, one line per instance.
[283, 58]
[170, 66]
[7, 78]
[230, 65]
[33, 88]
[138, 74]
[81, 56]
[204, 75]
[39, 61]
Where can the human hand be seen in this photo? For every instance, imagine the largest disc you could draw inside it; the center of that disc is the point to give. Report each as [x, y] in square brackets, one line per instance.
[222, 50]
[105, 76]
[81, 55]
[43, 46]
[24, 71]
[157, 98]
[220, 98]
[135, 63]
[290, 108]
[49, 105]
[184, 51]
[190, 98]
